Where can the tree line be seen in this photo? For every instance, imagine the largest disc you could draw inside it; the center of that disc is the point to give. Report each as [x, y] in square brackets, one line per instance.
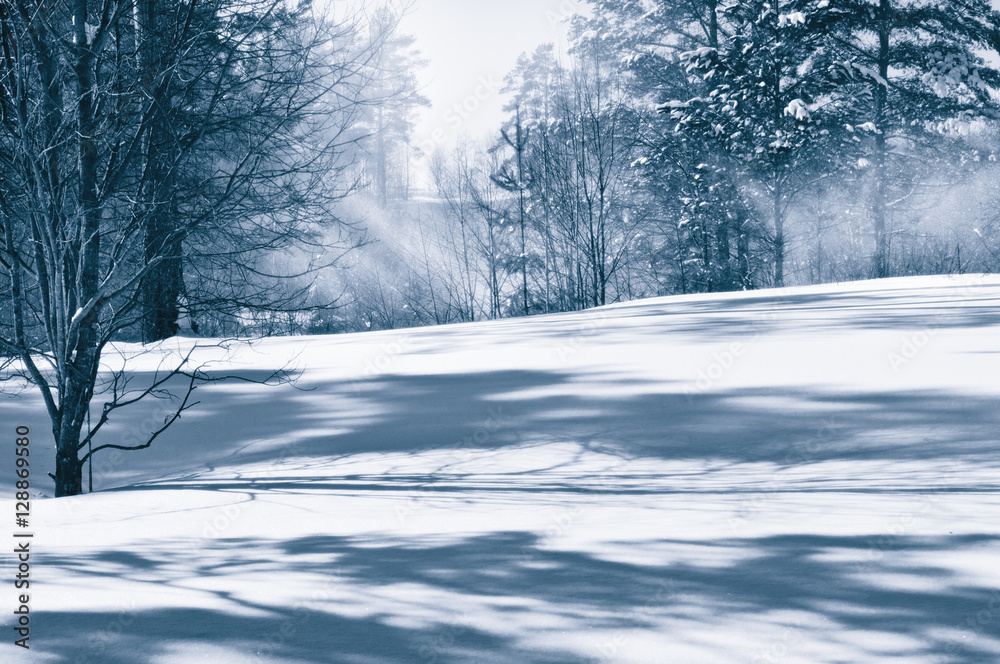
[706, 145]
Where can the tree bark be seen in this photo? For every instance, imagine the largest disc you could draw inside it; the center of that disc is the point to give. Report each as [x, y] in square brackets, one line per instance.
[777, 191]
[79, 369]
[164, 283]
[779, 234]
[742, 248]
[880, 193]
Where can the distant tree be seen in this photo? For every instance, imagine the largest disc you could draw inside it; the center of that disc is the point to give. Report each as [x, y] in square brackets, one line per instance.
[394, 99]
[513, 177]
[474, 201]
[706, 227]
[766, 101]
[603, 131]
[202, 84]
[538, 113]
[916, 71]
[453, 182]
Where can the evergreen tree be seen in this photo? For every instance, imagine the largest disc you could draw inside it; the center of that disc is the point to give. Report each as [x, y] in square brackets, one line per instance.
[709, 227]
[767, 101]
[916, 72]
[395, 97]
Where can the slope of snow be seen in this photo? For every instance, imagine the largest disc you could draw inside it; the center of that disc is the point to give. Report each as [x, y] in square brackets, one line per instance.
[804, 475]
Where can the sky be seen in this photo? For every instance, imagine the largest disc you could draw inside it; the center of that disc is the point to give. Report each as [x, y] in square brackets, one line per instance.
[470, 46]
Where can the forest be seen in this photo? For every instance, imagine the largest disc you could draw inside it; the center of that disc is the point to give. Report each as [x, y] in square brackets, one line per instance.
[695, 146]
[254, 160]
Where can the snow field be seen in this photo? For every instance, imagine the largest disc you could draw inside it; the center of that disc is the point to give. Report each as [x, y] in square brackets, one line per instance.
[798, 476]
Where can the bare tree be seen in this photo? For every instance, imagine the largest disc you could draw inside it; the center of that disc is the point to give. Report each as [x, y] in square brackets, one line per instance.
[479, 206]
[138, 137]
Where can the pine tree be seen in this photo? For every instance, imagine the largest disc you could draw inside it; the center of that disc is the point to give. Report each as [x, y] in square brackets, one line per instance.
[395, 97]
[699, 187]
[916, 72]
[765, 101]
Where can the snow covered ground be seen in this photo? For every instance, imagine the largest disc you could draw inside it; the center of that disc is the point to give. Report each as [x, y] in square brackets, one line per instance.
[806, 475]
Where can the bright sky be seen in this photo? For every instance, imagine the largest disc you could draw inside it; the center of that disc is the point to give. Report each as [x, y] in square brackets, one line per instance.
[470, 46]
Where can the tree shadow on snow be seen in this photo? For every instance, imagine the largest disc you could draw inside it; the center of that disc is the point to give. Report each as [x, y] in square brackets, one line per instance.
[237, 426]
[508, 597]
[455, 413]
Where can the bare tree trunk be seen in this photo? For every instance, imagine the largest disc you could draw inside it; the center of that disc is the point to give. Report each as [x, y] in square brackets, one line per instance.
[819, 255]
[494, 277]
[521, 141]
[79, 370]
[779, 233]
[163, 284]
[777, 164]
[879, 195]
[723, 252]
[381, 168]
[742, 248]
[722, 230]
[680, 258]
